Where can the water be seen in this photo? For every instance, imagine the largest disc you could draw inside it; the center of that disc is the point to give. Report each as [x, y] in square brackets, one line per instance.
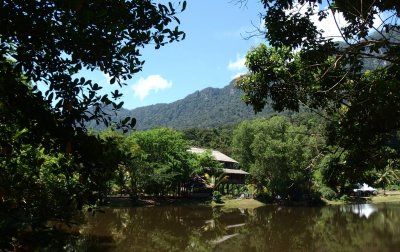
[363, 227]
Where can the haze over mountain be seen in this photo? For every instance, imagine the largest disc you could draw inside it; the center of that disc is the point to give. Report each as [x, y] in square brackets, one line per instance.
[210, 107]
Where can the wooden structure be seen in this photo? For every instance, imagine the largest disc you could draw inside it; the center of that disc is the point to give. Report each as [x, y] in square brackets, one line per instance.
[235, 176]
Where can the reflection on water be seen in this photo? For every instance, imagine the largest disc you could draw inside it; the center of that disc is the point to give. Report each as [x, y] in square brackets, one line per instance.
[271, 228]
[224, 238]
[362, 210]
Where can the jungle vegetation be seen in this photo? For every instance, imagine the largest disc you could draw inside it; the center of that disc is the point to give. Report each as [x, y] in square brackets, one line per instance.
[52, 167]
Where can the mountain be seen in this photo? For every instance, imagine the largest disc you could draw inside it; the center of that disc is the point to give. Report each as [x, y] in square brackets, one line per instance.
[210, 107]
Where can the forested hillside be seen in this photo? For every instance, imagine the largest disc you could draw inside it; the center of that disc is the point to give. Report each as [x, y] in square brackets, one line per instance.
[210, 107]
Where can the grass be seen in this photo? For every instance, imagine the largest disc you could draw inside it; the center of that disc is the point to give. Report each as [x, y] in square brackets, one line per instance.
[389, 196]
[229, 202]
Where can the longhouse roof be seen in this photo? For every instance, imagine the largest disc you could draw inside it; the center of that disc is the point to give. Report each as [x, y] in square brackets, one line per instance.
[219, 156]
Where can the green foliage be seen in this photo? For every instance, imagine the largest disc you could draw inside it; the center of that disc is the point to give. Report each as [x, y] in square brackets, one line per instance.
[345, 198]
[206, 109]
[50, 165]
[35, 186]
[328, 193]
[280, 155]
[334, 172]
[265, 197]
[203, 163]
[354, 83]
[389, 175]
[217, 197]
[163, 160]
[393, 187]
[219, 138]
[243, 138]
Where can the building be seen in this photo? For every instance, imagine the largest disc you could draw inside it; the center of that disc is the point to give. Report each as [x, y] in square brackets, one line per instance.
[234, 176]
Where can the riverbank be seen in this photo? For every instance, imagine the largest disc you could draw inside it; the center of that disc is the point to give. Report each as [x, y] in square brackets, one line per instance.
[253, 203]
[388, 196]
[230, 202]
[126, 201]
[238, 203]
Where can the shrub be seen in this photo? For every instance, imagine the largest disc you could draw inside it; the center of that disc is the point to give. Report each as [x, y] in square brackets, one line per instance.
[315, 198]
[265, 197]
[344, 198]
[328, 193]
[393, 187]
[217, 197]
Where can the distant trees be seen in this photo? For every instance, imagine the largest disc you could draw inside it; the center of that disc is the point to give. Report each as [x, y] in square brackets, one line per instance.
[219, 138]
[281, 154]
[156, 163]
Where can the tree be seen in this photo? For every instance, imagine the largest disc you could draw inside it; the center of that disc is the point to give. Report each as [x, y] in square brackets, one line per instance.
[165, 161]
[391, 172]
[355, 82]
[44, 43]
[206, 163]
[284, 155]
[243, 137]
[49, 41]
[218, 138]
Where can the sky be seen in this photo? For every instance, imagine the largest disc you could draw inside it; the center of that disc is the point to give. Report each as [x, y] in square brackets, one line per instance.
[211, 55]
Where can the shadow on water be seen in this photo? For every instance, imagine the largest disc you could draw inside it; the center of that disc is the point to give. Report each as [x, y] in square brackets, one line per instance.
[362, 227]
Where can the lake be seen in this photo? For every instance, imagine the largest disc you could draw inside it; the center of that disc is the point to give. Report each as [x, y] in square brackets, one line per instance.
[362, 227]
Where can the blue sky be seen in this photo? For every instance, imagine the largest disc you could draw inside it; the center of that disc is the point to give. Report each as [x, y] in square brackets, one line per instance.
[210, 56]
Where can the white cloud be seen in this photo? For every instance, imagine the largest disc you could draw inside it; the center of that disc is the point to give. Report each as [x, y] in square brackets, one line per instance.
[330, 25]
[237, 75]
[238, 64]
[144, 86]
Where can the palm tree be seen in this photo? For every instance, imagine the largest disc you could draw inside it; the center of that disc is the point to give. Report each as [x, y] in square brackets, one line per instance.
[389, 175]
[215, 181]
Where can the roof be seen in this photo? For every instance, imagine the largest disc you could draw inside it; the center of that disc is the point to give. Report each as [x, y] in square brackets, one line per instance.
[219, 156]
[235, 171]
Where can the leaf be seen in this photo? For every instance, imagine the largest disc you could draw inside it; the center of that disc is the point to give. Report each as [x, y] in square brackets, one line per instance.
[177, 20]
[126, 120]
[183, 6]
[50, 98]
[59, 104]
[133, 122]
[120, 105]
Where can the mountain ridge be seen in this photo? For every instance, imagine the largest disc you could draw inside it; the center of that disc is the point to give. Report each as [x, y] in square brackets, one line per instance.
[206, 108]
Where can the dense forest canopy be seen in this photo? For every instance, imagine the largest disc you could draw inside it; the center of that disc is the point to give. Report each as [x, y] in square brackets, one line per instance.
[207, 108]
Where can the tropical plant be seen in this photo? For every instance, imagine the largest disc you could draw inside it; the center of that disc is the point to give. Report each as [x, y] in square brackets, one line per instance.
[284, 155]
[163, 161]
[389, 175]
[353, 82]
[50, 166]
